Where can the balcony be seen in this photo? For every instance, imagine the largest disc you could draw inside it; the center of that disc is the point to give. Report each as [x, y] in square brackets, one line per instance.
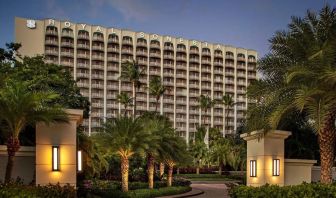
[96, 114]
[97, 66]
[113, 58]
[168, 109]
[141, 53]
[97, 95]
[112, 87]
[194, 60]
[216, 88]
[127, 42]
[112, 77]
[98, 48]
[168, 56]
[218, 71]
[168, 65]
[181, 50]
[155, 55]
[113, 68]
[229, 89]
[229, 81]
[127, 51]
[169, 48]
[83, 46]
[97, 76]
[83, 36]
[204, 78]
[97, 57]
[67, 63]
[218, 64]
[206, 53]
[97, 86]
[168, 74]
[67, 54]
[168, 83]
[229, 57]
[181, 84]
[155, 72]
[206, 62]
[252, 76]
[181, 75]
[83, 75]
[241, 83]
[51, 42]
[51, 33]
[52, 52]
[168, 100]
[97, 105]
[126, 88]
[83, 56]
[242, 67]
[82, 85]
[242, 59]
[241, 91]
[67, 44]
[206, 70]
[155, 45]
[193, 77]
[112, 105]
[83, 65]
[142, 44]
[229, 65]
[218, 55]
[194, 51]
[195, 86]
[242, 75]
[98, 38]
[181, 58]
[206, 87]
[229, 73]
[67, 34]
[193, 111]
[156, 64]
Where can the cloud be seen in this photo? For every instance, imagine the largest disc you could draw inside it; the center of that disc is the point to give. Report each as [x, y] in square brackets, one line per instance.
[53, 9]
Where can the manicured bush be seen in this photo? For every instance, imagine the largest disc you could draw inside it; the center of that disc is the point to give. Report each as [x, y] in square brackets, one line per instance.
[314, 190]
[26, 191]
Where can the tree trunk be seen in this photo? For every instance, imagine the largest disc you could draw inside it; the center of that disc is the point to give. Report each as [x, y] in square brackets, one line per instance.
[327, 139]
[197, 170]
[150, 171]
[157, 104]
[226, 120]
[178, 171]
[134, 100]
[220, 169]
[170, 175]
[13, 145]
[124, 173]
[161, 169]
[125, 113]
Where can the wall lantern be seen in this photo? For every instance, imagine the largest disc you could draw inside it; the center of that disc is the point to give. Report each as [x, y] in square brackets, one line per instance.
[253, 168]
[276, 167]
[79, 160]
[55, 158]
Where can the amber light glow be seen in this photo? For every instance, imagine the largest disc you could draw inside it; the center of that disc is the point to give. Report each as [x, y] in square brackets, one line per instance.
[253, 168]
[276, 167]
[79, 160]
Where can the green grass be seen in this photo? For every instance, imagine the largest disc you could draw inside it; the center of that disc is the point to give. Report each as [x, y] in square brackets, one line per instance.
[206, 177]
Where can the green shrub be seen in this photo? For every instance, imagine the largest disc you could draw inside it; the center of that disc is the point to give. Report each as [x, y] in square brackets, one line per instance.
[25, 191]
[313, 190]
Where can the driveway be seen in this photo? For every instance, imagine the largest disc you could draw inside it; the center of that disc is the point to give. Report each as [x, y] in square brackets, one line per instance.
[211, 189]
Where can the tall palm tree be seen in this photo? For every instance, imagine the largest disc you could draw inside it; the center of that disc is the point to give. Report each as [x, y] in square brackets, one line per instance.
[130, 71]
[21, 107]
[205, 103]
[299, 75]
[228, 102]
[157, 89]
[124, 136]
[198, 148]
[125, 100]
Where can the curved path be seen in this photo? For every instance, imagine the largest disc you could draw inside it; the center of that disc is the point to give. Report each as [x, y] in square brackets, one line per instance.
[211, 190]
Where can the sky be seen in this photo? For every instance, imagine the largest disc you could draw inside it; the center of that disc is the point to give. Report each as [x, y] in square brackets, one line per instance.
[241, 23]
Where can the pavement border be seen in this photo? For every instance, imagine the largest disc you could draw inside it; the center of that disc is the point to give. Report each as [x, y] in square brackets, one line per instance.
[192, 193]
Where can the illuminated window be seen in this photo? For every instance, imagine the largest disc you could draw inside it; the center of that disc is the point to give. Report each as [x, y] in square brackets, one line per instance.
[55, 158]
[276, 167]
[253, 168]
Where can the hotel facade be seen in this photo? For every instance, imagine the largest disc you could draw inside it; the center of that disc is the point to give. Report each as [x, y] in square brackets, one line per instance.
[188, 68]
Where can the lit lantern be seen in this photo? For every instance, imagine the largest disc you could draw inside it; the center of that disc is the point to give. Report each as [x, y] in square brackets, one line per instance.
[253, 168]
[276, 167]
[55, 158]
[79, 160]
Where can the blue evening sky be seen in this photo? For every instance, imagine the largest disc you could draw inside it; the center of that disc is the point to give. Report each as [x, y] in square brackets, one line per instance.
[241, 23]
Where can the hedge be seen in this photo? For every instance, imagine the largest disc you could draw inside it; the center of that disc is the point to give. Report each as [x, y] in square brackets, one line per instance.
[27, 191]
[305, 190]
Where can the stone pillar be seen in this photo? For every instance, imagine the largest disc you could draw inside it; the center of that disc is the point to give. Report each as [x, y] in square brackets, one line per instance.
[62, 135]
[264, 148]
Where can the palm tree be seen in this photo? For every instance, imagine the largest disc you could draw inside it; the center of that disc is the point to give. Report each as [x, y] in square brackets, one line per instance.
[21, 107]
[299, 75]
[130, 71]
[205, 103]
[219, 153]
[124, 136]
[228, 102]
[199, 149]
[161, 131]
[157, 89]
[125, 100]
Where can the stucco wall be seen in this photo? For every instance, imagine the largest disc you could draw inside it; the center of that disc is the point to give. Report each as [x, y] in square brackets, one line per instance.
[298, 171]
[24, 163]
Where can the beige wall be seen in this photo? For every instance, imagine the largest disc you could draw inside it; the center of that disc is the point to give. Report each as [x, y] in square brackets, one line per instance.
[264, 148]
[24, 163]
[298, 171]
[64, 136]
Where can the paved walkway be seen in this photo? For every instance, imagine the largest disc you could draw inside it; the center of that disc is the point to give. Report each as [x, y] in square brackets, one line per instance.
[211, 190]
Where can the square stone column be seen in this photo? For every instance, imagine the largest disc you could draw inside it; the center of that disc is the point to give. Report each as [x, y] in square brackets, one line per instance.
[62, 135]
[264, 148]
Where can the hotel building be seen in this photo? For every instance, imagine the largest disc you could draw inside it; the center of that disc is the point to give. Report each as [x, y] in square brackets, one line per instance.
[93, 54]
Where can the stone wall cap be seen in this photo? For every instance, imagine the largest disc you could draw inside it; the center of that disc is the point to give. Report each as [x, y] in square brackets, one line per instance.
[75, 114]
[269, 134]
[301, 161]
